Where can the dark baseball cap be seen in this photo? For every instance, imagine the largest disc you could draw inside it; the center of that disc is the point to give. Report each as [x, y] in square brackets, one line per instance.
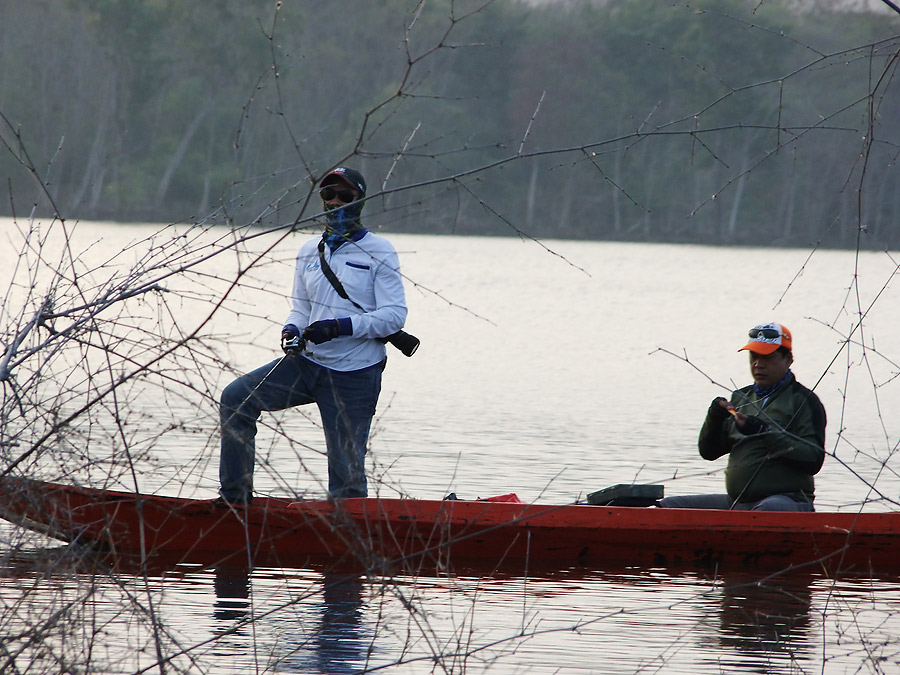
[351, 177]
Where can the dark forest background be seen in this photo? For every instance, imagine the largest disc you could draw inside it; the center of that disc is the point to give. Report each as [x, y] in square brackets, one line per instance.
[720, 122]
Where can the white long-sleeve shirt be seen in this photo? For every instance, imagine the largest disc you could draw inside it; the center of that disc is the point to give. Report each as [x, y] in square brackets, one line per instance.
[369, 271]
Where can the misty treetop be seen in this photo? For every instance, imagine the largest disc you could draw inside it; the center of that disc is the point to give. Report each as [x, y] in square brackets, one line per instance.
[722, 122]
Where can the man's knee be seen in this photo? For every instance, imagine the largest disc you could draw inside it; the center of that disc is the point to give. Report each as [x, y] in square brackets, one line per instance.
[234, 394]
[781, 503]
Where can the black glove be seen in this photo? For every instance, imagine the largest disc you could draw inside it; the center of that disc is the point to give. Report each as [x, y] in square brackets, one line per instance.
[291, 341]
[753, 425]
[716, 411]
[327, 329]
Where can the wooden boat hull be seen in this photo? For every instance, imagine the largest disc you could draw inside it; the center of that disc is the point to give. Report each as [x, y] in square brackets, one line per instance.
[375, 533]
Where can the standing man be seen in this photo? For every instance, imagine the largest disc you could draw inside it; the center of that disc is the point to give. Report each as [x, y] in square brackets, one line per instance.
[773, 432]
[347, 297]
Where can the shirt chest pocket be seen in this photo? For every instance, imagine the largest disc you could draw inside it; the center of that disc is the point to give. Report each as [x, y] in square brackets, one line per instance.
[358, 279]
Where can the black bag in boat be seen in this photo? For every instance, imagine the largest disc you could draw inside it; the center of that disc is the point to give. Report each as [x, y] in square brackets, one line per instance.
[627, 494]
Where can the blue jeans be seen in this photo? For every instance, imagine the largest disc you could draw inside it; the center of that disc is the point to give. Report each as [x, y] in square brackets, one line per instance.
[346, 402]
[771, 503]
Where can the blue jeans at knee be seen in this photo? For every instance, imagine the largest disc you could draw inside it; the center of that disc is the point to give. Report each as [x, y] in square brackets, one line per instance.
[781, 503]
[722, 501]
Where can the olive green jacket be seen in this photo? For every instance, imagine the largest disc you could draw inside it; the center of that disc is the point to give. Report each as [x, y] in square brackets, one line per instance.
[781, 460]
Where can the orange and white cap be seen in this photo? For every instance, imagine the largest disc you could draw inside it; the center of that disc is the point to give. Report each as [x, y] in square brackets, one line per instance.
[767, 338]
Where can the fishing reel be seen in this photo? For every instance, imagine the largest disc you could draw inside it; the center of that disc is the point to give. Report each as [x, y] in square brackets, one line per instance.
[292, 344]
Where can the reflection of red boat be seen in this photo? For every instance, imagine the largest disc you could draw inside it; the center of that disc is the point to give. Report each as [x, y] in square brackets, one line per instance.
[413, 532]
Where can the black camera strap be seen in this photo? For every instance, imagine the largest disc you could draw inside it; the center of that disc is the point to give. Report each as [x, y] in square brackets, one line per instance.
[406, 343]
[332, 277]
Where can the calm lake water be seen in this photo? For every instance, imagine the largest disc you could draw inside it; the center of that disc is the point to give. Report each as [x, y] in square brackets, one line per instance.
[549, 370]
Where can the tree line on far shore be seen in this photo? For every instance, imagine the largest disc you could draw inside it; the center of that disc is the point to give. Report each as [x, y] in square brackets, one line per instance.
[727, 122]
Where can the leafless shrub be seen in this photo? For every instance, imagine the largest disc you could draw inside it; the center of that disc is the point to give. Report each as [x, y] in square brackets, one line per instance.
[111, 361]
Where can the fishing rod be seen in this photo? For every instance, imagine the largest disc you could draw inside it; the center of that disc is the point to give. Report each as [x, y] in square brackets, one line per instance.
[892, 5]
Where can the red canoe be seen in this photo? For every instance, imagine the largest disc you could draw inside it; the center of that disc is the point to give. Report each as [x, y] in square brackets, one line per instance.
[378, 533]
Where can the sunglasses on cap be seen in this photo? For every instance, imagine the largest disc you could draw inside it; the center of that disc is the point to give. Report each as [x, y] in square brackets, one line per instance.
[329, 192]
[764, 333]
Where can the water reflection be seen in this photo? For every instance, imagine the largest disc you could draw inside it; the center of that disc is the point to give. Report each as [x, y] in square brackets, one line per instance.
[340, 638]
[232, 588]
[325, 634]
[765, 625]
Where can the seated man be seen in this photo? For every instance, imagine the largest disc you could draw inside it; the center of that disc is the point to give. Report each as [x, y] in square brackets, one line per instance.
[773, 432]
